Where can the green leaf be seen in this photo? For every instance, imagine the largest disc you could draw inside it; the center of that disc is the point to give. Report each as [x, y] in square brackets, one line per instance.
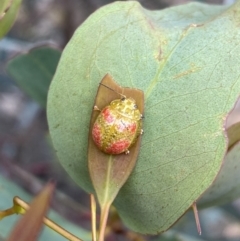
[8, 13]
[4, 6]
[225, 187]
[34, 71]
[186, 60]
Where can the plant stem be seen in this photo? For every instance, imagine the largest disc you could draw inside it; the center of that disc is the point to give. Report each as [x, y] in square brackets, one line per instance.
[103, 220]
[7, 212]
[195, 211]
[93, 215]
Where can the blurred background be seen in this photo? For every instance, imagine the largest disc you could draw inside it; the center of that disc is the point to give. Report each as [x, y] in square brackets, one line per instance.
[26, 154]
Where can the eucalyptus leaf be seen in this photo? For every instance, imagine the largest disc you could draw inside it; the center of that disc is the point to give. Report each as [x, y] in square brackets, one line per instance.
[34, 71]
[7, 16]
[4, 5]
[186, 60]
[226, 186]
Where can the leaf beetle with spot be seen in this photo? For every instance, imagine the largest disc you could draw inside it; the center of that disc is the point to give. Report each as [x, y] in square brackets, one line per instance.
[117, 126]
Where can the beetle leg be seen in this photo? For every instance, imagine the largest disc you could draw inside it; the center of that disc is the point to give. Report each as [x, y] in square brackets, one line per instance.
[127, 152]
[96, 108]
[141, 131]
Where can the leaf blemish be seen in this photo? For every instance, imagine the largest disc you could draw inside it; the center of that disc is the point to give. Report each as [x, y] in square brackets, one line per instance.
[193, 69]
[159, 56]
[57, 125]
[150, 23]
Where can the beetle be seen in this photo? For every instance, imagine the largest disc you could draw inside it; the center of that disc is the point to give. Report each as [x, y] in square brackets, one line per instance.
[117, 126]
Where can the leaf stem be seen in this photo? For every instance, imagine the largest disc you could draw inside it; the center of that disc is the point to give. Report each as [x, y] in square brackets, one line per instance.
[7, 212]
[195, 211]
[103, 220]
[93, 215]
